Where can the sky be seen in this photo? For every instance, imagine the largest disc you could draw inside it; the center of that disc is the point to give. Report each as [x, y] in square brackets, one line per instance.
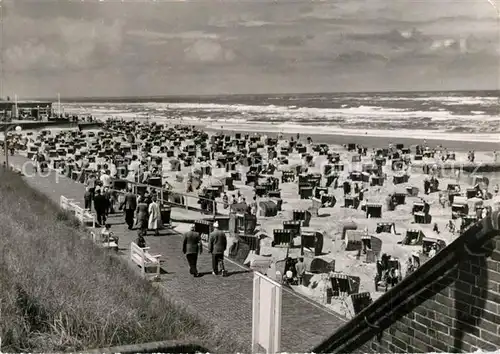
[143, 48]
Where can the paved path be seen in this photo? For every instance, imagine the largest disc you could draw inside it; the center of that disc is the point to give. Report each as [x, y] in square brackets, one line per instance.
[227, 301]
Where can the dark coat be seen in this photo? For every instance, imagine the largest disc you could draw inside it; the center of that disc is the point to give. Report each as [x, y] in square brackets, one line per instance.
[130, 202]
[217, 242]
[101, 203]
[141, 242]
[142, 212]
[191, 243]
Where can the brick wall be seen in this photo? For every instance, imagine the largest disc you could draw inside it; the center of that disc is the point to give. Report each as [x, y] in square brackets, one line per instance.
[459, 312]
[451, 304]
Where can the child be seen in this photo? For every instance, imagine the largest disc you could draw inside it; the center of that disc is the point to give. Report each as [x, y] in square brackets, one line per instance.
[107, 235]
[140, 241]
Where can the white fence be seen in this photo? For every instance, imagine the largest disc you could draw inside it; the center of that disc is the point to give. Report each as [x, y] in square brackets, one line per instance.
[266, 319]
[84, 216]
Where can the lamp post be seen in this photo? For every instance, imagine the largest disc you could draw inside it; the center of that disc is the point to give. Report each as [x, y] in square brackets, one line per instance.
[5, 146]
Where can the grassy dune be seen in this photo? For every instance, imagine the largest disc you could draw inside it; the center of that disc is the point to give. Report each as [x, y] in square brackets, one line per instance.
[58, 292]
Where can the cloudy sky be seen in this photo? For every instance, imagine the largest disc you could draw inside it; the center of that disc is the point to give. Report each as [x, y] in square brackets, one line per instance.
[128, 48]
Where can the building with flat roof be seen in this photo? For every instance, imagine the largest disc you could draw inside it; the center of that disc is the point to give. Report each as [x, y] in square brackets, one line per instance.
[29, 110]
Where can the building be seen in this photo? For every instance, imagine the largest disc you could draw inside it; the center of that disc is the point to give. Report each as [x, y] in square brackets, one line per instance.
[29, 110]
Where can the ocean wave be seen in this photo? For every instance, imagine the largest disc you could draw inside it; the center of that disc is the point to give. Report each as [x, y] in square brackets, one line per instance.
[402, 133]
[447, 114]
[304, 113]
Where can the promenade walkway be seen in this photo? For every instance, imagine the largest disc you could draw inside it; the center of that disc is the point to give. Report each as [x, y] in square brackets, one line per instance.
[226, 301]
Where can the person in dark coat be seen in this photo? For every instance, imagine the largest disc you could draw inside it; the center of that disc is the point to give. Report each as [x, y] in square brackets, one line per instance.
[347, 188]
[107, 193]
[101, 205]
[140, 241]
[142, 215]
[87, 198]
[129, 205]
[217, 246]
[427, 186]
[191, 247]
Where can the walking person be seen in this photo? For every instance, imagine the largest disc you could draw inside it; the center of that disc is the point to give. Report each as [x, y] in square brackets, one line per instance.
[154, 216]
[87, 199]
[217, 246]
[105, 179]
[129, 206]
[300, 268]
[91, 184]
[101, 207]
[142, 216]
[191, 247]
[253, 206]
[107, 194]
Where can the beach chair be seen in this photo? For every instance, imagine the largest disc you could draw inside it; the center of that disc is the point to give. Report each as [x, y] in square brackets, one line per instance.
[373, 210]
[312, 240]
[388, 227]
[361, 301]
[302, 215]
[353, 240]
[428, 243]
[204, 228]
[413, 237]
[282, 238]
[320, 266]
[341, 285]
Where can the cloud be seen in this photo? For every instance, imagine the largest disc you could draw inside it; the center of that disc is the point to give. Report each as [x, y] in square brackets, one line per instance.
[209, 51]
[62, 43]
[249, 45]
[194, 35]
[292, 41]
[358, 57]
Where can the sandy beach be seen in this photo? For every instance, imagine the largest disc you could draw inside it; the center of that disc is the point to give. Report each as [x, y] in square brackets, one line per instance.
[331, 220]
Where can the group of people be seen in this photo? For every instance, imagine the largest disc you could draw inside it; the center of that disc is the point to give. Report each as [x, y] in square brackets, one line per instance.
[238, 199]
[99, 193]
[217, 245]
[142, 211]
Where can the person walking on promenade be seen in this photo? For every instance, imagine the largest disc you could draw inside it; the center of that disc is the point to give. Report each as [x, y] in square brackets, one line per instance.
[107, 194]
[154, 216]
[91, 184]
[105, 179]
[217, 246]
[129, 205]
[300, 268]
[87, 199]
[141, 213]
[101, 205]
[191, 247]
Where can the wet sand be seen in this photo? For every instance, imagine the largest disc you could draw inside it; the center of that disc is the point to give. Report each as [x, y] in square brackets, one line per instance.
[380, 141]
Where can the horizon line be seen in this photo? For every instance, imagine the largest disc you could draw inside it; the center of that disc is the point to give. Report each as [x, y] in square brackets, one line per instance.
[191, 96]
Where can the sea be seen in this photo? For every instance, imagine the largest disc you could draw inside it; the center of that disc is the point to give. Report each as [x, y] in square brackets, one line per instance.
[455, 115]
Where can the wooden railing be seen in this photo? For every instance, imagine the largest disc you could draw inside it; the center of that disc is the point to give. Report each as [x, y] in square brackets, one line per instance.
[84, 216]
[187, 201]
